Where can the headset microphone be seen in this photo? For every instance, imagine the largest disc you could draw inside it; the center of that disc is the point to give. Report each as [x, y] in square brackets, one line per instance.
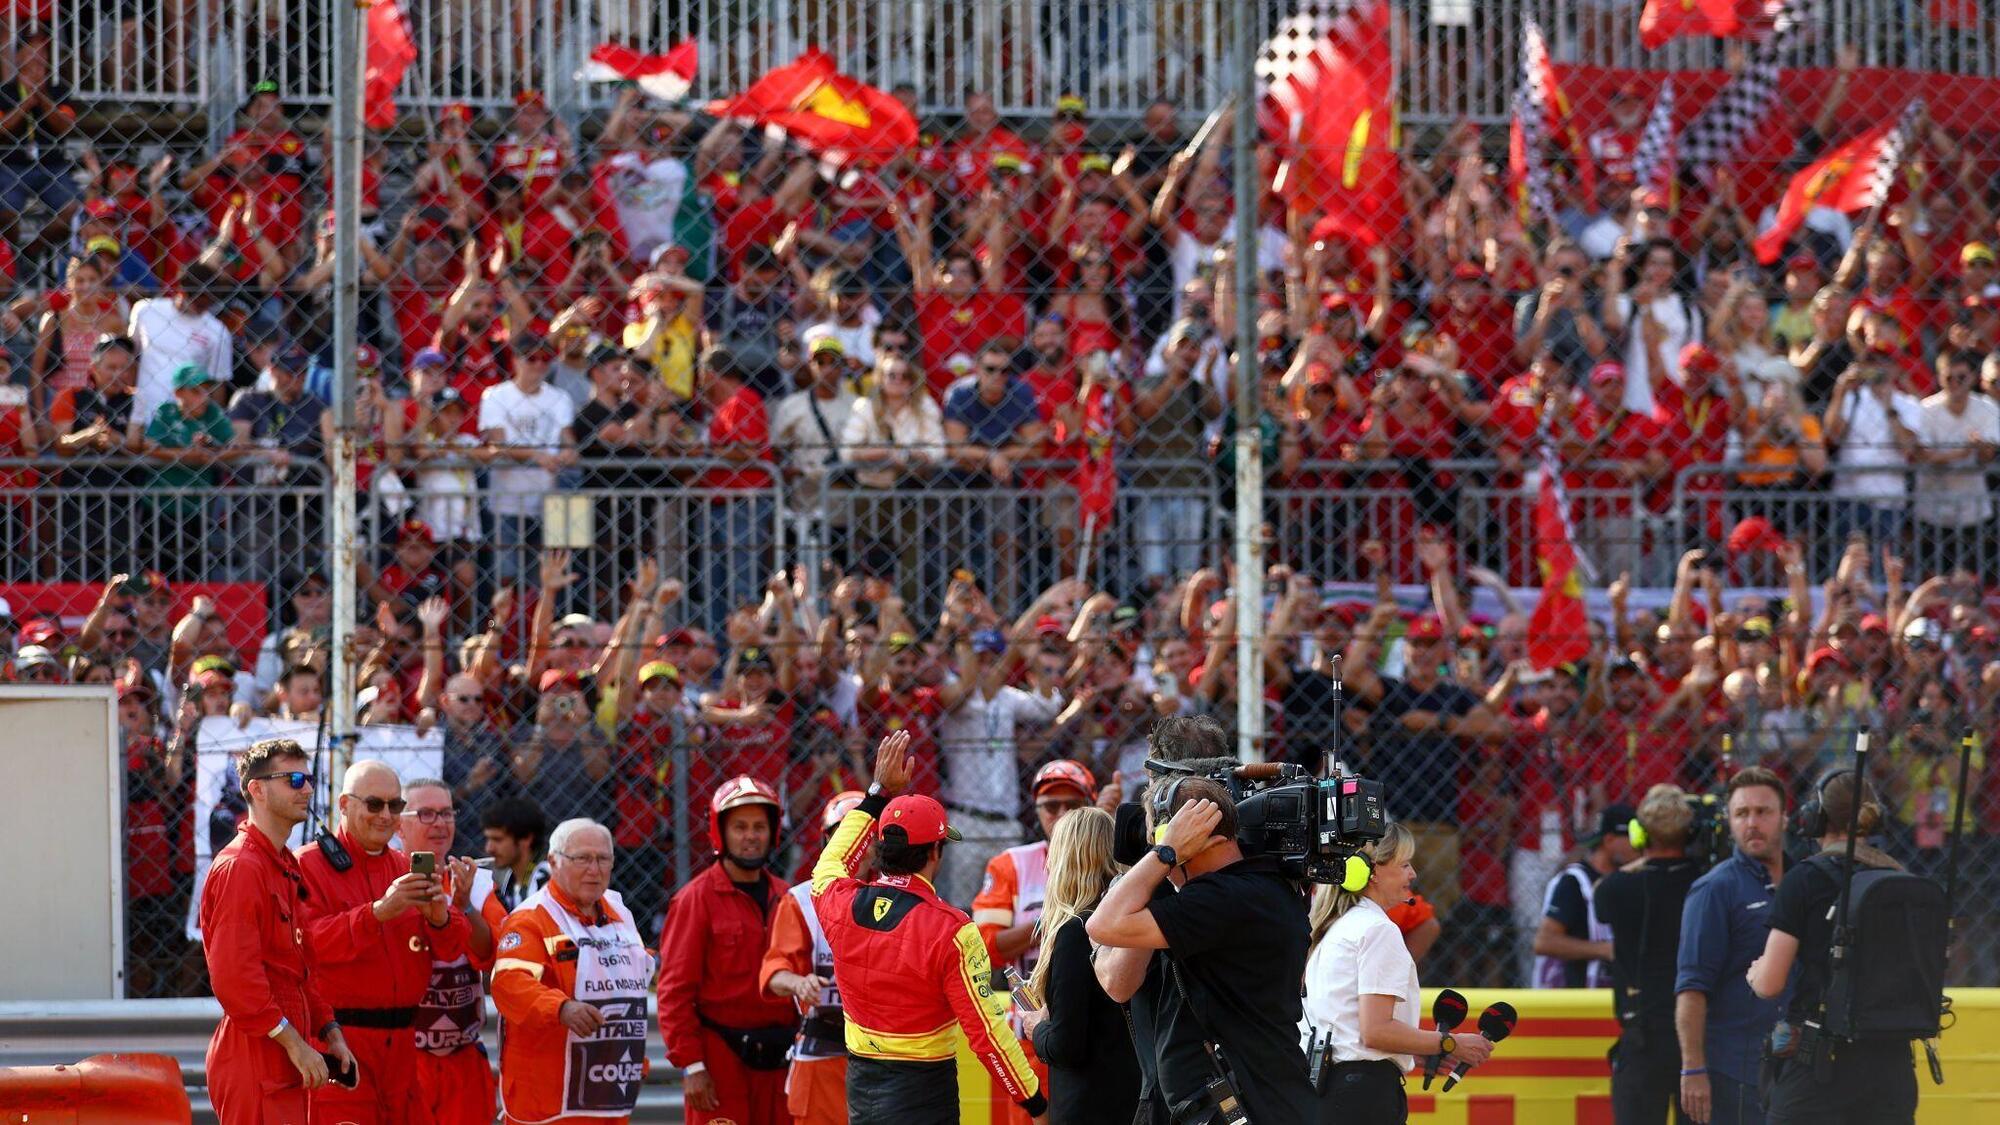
[1447, 1012]
[1495, 1023]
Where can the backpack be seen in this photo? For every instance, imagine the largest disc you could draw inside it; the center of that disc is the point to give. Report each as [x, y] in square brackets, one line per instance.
[1891, 983]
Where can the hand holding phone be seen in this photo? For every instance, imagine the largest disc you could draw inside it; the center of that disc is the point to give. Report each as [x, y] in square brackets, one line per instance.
[423, 863]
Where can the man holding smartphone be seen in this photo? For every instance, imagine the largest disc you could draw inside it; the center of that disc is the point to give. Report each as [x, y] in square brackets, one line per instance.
[262, 1060]
[376, 925]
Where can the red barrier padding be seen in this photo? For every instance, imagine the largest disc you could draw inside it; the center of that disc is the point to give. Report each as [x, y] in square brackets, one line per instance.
[100, 1090]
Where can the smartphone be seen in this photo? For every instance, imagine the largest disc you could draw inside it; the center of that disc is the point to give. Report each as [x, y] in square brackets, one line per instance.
[423, 863]
[339, 1073]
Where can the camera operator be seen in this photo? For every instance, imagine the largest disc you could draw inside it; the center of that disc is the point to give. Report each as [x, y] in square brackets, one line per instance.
[1362, 996]
[1173, 1060]
[1642, 904]
[1876, 1080]
[1723, 929]
[1236, 938]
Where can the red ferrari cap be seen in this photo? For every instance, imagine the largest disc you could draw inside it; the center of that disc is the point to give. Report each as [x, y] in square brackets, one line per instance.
[920, 819]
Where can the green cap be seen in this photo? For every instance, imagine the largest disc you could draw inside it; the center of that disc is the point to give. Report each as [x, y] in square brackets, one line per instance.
[265, 87]
[188, 375]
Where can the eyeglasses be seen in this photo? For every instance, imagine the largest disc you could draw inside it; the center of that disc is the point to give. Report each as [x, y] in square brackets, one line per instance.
[461, 698]
[297, 779]
[121, 634]
[430, 816]
[375, 805]
[994, 368]
[897, 346]
[588, 859]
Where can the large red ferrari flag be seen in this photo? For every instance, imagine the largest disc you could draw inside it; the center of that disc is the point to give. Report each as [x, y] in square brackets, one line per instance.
[1664, 20]
[1559, 628]
[1335, 105]
[838, 117]
[1853, 177]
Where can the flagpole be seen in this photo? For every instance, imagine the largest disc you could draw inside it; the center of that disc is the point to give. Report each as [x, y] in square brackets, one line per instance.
[1249, 584]
[349, 56]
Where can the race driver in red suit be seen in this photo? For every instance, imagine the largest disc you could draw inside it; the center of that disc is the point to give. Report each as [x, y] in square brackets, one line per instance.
[264, 1056]
[375, 928]
[730, 1038]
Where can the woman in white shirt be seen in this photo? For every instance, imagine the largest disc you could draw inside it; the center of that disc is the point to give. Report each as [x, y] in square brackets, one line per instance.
[1362, 1003]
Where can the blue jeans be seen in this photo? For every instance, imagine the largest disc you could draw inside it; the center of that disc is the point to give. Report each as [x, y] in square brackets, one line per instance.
[50, 183]
[736, 541]
[1172, 535]
[515, 539]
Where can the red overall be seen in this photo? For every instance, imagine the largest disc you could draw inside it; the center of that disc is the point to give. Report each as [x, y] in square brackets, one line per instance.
[260, 963]
[454, 1075]
[709, 955]
[377, 972]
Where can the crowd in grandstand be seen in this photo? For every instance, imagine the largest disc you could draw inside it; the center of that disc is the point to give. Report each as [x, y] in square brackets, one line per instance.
[662, 303]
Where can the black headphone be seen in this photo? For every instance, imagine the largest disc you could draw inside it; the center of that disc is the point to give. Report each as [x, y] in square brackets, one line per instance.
[1810, 822]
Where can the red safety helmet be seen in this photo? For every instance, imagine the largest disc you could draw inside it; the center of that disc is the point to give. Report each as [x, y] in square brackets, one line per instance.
[843, 803]
[735, 794]
[1063, 771]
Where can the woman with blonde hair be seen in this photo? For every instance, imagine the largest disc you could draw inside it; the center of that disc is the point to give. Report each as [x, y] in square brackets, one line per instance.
[1362, 1005]
[1079, 1031]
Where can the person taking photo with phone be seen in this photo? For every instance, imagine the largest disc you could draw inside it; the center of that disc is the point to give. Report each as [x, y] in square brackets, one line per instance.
[264, 1059]
[376, 925]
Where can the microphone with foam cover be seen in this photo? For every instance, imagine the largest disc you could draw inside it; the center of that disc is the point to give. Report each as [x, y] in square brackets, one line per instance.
[1447, 1012]
[1495, 1023]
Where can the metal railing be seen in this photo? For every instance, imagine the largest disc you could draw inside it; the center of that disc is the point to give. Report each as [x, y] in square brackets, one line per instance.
[1456, 58]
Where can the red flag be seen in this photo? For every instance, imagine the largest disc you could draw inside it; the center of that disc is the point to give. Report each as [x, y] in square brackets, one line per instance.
[1337, 110]
[1097, 478]
[666, 77]
[390, 52]
[839, 117]
[1664, 20]
[1854, 176]
[1543, 123]
[1559, 629]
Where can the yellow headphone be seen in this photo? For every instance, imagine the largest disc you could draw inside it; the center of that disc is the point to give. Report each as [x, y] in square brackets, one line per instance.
[1358, 870]
[1636, 834]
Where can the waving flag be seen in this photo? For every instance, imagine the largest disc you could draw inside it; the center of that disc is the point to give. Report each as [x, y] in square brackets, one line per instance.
[1653, 163]
[842, 119]
[1664, 20]
[1096, 479]
[1855, 176]
[390, 53]
[1330, 85]
[1542, 121]
[1559, 628]
[666, 77]
[1743, 107]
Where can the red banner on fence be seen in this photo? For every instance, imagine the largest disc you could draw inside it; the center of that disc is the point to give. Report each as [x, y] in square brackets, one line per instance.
[243, 606]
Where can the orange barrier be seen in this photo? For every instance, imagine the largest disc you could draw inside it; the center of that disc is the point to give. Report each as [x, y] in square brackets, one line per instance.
[100, 1090]
[1552, 1070]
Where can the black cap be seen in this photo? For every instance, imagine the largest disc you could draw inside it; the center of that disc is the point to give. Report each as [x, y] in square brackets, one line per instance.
[606, 353]
[446, 396]
[1611, 822]
[760, 257]
[293, 358]
[751, 659]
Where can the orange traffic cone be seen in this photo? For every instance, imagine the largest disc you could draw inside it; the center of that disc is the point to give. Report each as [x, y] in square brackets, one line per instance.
[100, 1090]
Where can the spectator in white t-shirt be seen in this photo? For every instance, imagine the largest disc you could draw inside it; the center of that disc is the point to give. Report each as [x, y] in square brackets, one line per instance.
[176, 331]
[1960, 435]
[526, 422]
[978, 739]
[1875, 427]
[1650, 308]
[645, 181]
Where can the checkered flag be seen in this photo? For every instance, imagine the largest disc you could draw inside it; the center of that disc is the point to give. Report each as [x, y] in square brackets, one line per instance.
[1653, 162]
[1882, 180]
[1528, 139]
[1719, 134]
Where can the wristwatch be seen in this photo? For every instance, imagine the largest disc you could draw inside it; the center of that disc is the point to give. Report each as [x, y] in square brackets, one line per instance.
[1167, 855]
[1447, 1043]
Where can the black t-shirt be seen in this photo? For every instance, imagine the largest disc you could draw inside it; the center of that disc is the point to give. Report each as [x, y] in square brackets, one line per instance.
[1803, 908]
[89, 405]
[292, 426]
[1643, 909]
[1173, 1065]
[1239, 938]
[1572, 913]
[1420, 769]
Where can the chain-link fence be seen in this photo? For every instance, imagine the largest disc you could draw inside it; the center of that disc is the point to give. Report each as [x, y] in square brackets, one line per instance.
[894, 385]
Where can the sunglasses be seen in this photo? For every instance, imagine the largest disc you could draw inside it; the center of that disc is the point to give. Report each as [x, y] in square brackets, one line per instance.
[121, 634]
[994, 368]
[375, 805]
[463, 698]
[297, 779]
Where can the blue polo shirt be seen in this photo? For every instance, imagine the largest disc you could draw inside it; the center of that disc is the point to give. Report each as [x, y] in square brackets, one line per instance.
[1723, 928]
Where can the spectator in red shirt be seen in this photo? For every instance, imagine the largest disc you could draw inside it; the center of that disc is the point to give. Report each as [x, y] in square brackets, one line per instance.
[892, 700]
[752, 718]
[967, 158]
[1483, 325]
[1623, 451]
[958, 310]
[536, 148]
[737, 517]
[1696, 417]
